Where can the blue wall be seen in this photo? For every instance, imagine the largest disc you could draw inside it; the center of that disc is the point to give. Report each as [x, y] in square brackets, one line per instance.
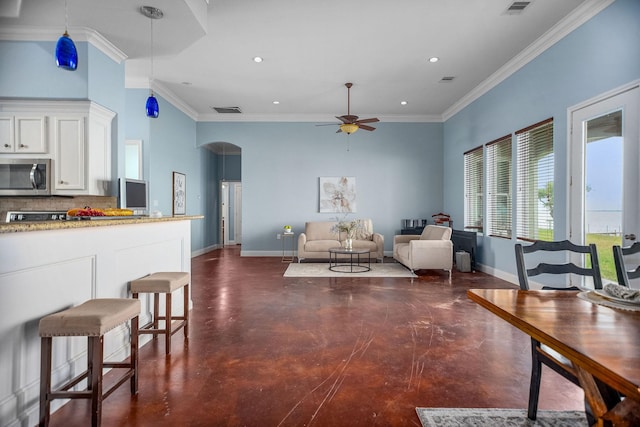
[597, 57]
[398, 171]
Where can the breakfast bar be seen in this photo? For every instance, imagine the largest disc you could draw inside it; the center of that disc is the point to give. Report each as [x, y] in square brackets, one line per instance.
[49, 266]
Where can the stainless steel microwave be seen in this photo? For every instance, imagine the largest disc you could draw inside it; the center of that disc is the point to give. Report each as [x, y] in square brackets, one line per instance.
[25, 177]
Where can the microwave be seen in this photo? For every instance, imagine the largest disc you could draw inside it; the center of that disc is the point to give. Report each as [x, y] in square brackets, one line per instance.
[25, 177]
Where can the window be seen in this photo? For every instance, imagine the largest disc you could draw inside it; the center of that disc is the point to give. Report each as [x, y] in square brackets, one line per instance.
[473, 189]
[535, 176]
[499, 187]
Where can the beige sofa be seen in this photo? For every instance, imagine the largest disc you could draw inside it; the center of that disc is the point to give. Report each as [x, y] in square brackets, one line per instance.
[433, 249]
[318, 238]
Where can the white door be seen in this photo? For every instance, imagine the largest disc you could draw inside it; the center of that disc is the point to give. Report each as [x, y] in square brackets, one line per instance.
[605, 182]
[224, 212]
[237, 213]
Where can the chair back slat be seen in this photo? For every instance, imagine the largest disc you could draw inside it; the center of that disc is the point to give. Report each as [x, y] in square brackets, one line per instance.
[544, 268]
[557, 268]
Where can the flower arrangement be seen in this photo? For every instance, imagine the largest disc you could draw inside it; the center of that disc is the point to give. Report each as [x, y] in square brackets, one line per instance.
[348, 227]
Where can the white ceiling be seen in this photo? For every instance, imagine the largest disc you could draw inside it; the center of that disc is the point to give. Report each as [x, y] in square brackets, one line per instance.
[311, 48]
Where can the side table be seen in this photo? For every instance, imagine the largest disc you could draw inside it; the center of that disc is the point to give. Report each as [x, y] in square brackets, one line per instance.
[288, 246]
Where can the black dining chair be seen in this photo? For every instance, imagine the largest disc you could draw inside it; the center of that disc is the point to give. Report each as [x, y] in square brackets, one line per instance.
[622, 268]
[539, 353]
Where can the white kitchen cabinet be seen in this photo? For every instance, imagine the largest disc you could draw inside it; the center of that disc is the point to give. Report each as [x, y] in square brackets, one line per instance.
[68, 135]
[82, 158]
[23, 134]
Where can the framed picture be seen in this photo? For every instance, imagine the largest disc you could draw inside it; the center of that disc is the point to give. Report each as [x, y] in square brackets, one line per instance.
[337, 194]
[179, 193]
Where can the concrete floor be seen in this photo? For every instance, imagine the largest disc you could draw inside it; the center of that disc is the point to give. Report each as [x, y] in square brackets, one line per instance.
[271, 351]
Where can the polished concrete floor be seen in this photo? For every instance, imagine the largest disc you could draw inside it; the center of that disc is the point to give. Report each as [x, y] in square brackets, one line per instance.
[271, 351]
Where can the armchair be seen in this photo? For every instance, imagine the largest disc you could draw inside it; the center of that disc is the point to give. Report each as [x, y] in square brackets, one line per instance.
[432, 249]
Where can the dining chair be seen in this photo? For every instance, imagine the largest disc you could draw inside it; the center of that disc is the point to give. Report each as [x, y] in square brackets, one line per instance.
[622, 268]
[539, 353]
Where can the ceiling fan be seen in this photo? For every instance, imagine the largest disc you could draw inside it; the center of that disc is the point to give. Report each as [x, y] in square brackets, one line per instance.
[350, 123]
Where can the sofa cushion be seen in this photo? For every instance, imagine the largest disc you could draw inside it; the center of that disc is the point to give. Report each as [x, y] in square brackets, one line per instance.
[320, 230]
[321, 245]
[365, 232]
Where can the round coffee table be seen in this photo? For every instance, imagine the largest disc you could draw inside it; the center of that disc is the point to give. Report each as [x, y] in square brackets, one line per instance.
[351, 266]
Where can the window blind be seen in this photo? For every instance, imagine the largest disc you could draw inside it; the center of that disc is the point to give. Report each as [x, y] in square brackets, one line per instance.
[474, 189]
[535, 177]
[499, 187]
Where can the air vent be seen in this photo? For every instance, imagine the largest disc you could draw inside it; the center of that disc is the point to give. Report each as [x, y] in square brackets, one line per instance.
[227, 110]
[517, 7]
[447, 79]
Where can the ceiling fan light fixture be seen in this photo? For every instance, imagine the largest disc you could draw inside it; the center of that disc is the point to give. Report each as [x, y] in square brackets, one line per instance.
[349, 128]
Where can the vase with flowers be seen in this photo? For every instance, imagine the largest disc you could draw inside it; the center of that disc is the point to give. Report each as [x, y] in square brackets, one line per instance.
[349, 228]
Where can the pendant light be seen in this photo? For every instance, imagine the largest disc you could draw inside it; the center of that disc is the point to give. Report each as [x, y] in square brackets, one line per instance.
[66, 52]
[153, 110]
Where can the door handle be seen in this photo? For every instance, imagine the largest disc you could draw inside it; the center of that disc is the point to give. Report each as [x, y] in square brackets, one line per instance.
[630, 236]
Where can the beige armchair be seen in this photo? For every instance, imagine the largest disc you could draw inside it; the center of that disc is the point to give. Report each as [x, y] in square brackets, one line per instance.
[433, 249]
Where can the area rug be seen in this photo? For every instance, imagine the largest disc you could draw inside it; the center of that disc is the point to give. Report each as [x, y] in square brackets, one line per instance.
[322, 270]
[458, 417]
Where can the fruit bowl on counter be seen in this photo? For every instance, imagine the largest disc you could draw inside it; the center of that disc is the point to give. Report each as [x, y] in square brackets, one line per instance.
[89, 213]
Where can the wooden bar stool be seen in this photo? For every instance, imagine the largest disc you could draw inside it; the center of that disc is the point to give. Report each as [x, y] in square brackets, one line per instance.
[92, 319]
[164, 283]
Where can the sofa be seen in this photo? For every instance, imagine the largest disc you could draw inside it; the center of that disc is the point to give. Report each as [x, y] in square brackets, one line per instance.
[318, 238]
[433, 249]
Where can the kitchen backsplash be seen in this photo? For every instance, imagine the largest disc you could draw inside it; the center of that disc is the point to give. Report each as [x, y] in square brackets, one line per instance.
[53, 203]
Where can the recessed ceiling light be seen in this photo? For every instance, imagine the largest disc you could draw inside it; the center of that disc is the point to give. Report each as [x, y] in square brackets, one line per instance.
[276, 102]
[257, 59]
[403, 102]
[434, 59]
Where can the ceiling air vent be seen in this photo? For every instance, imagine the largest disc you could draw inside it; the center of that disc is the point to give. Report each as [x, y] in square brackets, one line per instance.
[517, 7]
[447, 79]
[227, 110]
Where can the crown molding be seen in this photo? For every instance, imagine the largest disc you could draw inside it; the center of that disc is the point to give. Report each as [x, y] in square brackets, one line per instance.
[579, 16]
[306, 118]
[52, 34]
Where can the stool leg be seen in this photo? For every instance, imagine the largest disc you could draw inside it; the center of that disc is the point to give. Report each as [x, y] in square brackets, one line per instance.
[186, 311]
[156, 313]
[45, 379]
[134, 355]
[95, 379]
[167, 324]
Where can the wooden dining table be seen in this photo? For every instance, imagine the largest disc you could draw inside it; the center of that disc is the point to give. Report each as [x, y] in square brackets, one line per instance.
[602, 343]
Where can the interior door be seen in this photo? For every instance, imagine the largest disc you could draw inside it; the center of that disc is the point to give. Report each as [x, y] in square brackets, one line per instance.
[605, 158]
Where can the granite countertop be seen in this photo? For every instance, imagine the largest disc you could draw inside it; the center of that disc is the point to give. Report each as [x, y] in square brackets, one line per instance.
[17, 227]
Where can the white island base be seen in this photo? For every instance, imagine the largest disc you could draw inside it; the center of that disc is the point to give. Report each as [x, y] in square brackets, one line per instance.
[42, 272]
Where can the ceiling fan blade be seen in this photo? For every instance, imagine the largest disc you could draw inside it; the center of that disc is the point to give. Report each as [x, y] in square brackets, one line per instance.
[372, 120]
[366, 127]
[339, 130]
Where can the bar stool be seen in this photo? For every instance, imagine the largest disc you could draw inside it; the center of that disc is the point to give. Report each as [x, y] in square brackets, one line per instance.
[92, 319]
[164, 283]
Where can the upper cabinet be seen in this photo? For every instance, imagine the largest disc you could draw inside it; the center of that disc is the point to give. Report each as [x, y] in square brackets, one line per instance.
[23, 133]
[75, 135]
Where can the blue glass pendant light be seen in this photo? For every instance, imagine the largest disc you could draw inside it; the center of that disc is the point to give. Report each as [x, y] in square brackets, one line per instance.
[152, 107]
[66, 52]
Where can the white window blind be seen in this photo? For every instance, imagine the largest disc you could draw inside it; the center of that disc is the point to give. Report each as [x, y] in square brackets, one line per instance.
[499, 187]
[474, 189]
[534, 206]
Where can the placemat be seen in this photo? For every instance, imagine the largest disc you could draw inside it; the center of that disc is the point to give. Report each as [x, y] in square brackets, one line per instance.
[597, 299]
